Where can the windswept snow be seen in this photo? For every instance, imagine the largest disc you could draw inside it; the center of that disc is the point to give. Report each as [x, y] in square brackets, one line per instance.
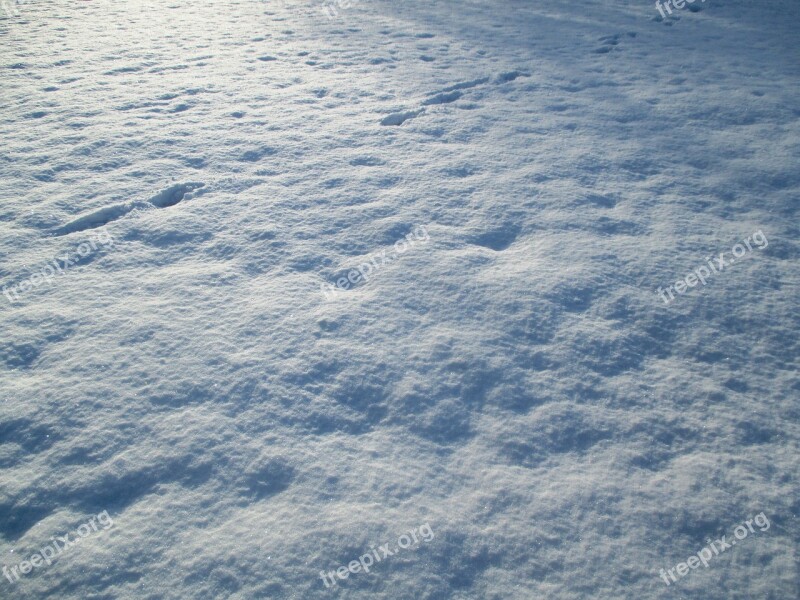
[221, 324]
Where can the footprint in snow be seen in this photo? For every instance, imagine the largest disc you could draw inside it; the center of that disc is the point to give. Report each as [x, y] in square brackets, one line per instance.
[396, 119]
[174, 194]
[167, 197]
[443, 98]
[509, 76]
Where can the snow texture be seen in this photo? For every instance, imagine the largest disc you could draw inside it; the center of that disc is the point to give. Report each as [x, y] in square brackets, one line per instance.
[180, 181]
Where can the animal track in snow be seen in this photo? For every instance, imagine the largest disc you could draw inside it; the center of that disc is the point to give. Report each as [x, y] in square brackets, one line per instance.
[448, 95]
[165, 198]
[611, 41]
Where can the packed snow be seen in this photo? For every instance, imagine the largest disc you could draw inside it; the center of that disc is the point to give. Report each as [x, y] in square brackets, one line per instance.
[475, 299]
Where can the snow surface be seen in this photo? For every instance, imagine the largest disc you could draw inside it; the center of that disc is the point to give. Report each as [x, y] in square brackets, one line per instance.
[514, 381]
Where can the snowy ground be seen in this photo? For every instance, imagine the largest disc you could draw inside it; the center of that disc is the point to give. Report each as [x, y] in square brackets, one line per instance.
[185, 188]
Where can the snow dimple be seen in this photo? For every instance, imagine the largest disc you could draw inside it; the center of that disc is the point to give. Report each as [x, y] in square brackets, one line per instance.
[19, 355]
[573, 297]
[20, 518]
[266, 477]
[339, 279]
[602, 200]
[498, 239]
[367, 161]
[180, 108]
[257, 154]
[554, 430]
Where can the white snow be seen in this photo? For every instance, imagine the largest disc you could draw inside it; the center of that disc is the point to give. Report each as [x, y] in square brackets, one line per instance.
[516, 382]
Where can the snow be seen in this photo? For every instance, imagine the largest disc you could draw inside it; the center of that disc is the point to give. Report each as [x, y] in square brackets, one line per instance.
[514, 381]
